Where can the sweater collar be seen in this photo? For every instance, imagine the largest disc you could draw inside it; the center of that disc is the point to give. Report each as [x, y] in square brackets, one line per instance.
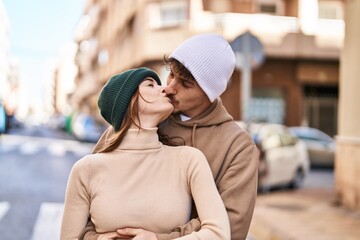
[214, 115]
[143, 139]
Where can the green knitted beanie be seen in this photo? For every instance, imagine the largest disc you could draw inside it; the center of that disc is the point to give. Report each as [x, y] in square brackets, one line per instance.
[116, 94]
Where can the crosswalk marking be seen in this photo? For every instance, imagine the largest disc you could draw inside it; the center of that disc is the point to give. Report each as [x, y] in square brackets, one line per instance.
[48, 222]
[27, 145]
[57, 149]
[29, 148]
[4, 207]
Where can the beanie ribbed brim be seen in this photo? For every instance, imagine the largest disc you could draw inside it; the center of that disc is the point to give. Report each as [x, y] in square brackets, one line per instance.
[116, 95]
[210, 59]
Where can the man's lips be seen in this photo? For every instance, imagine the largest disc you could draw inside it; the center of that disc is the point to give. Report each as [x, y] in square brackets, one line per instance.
[172, 100]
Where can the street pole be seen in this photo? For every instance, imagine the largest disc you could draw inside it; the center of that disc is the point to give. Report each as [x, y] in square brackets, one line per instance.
[249, 54]
[246, 78]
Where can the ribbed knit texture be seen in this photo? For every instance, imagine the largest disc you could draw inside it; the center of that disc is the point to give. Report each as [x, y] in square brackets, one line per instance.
[143, 184]
[211, 61]
[115, 96]
[234, 163]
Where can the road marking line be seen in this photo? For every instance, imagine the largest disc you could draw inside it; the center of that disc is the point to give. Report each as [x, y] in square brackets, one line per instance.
[48, 222]
[7, 148]
[29, 148]
[56, 149]
[4, 207]
[29, 145]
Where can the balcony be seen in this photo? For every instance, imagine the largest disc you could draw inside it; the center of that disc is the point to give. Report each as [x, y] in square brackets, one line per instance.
[287, 37]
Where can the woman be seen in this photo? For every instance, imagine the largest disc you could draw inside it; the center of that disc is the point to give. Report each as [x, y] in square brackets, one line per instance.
[154, 184]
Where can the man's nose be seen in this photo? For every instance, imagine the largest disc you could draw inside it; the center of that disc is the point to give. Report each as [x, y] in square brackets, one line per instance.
[170, 90]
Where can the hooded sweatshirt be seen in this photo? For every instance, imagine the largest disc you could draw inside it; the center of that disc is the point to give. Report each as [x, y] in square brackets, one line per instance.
[233, 158]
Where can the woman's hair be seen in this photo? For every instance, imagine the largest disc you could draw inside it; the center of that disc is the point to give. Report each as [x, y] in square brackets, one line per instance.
[131, 117]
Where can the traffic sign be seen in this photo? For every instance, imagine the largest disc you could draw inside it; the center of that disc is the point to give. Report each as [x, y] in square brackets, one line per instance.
[249, 54]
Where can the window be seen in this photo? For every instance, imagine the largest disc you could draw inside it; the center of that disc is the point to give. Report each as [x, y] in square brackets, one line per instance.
[267, 8]
[167, 13]
[330, 10]
[267, 105]
[274, 7]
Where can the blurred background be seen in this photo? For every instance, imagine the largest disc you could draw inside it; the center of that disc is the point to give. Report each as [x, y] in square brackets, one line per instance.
[295, 89]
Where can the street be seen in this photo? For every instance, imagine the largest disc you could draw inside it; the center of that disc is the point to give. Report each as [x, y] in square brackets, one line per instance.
[34, 167]
[33, 176]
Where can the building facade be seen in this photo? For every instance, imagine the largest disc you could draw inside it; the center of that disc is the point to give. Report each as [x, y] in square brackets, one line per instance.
[296, 83]
[9, 69]
[4, 51]
[347, 159]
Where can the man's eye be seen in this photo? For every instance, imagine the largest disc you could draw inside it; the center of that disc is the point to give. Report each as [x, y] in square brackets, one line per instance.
[187, 84]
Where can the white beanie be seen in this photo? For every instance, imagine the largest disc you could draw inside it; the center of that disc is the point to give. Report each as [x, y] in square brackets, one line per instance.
[211, 61]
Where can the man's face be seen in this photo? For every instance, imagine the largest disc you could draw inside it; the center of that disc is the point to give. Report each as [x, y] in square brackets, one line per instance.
[185, 94]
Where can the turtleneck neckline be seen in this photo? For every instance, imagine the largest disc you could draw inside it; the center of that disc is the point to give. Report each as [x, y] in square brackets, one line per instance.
[142, 139]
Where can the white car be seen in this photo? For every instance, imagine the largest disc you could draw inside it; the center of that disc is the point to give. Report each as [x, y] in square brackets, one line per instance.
[284, 158]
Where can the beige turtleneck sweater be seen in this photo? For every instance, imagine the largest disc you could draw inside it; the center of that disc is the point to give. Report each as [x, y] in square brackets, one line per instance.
[143, 184]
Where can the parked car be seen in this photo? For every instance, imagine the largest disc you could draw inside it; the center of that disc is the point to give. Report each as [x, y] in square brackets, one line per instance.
[86, 129]
[2, 119]
[321, 147]
[284, 160]
[57, 122]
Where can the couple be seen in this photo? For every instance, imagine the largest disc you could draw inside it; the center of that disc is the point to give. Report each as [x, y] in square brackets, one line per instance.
[144, 188]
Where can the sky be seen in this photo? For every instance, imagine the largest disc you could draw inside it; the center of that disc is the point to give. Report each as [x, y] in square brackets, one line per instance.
[39, 29]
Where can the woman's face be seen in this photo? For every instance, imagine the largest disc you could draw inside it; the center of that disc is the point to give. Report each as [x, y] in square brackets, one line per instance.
[153, 100]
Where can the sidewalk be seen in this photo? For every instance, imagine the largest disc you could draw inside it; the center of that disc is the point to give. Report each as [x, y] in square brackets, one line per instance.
[305, 214]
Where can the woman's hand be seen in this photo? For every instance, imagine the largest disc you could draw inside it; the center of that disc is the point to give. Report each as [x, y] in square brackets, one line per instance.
[136, 234]
[108, 236]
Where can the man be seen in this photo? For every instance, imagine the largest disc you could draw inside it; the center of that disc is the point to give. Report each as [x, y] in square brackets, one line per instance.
[199, 71]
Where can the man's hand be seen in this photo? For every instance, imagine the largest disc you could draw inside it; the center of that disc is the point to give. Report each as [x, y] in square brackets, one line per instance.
[136, 234]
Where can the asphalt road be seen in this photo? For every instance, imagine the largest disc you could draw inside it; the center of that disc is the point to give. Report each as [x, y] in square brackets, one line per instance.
[33, 177]
[34, 167]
